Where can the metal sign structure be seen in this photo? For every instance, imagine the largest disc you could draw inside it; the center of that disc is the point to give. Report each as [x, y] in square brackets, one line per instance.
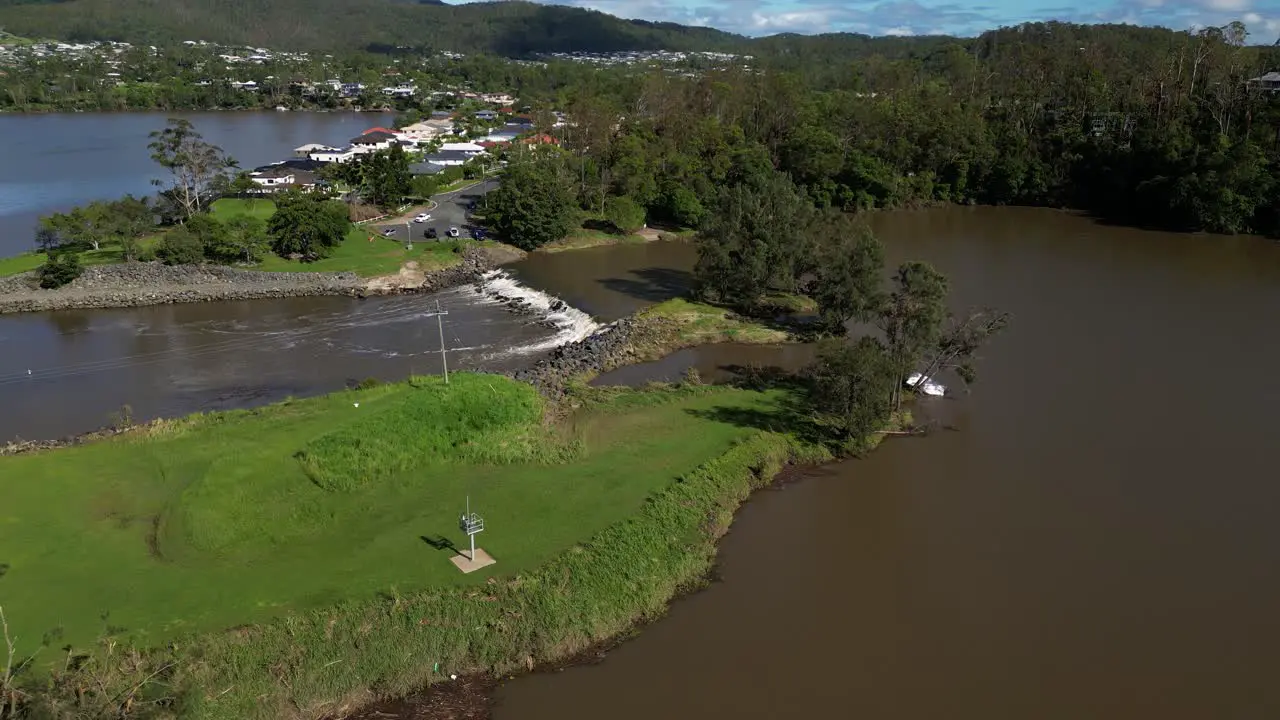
[471, 524]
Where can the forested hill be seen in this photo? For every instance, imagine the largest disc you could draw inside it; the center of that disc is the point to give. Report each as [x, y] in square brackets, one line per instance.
[506, 28]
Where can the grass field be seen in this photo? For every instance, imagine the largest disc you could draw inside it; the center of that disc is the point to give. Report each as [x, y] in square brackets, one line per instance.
[364, 252]
[219, 520]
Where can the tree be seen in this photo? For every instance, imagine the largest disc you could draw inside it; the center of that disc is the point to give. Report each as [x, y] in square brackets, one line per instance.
[210, 232]
[48, 238]
[625, 214]
[180, 246]
[911, 318]
[534, 205]
[244, 184]
[195, 166]
[959, 341]
[424, 186]
[245, 238]
[307, 225]
[756, 241]
[134, 218]
[384, 177]
[60, 268]
[848, 271]
[852, 387]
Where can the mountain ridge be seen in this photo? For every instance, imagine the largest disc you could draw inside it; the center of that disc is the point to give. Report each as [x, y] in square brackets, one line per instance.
[513, 28]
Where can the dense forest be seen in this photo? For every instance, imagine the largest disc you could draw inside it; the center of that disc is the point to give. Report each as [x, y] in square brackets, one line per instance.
[1142, 126]
[509, 29]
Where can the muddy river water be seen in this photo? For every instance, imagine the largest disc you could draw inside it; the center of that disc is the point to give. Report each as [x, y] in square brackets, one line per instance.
[1093, 537]
[1090, 534]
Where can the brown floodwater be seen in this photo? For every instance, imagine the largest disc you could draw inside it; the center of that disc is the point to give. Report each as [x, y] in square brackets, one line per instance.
[1092, 536]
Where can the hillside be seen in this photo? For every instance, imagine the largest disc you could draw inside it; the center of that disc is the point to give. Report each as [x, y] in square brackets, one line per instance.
[507, 28]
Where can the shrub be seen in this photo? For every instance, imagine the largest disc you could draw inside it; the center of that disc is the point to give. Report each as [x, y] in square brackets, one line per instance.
[625, 214]
[180, 246]
[59, 269]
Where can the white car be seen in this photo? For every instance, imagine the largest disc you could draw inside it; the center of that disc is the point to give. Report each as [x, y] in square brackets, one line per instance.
[453, 232]
[422, 217]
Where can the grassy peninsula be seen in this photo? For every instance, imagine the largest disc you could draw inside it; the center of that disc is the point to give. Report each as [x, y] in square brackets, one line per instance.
[323, 520]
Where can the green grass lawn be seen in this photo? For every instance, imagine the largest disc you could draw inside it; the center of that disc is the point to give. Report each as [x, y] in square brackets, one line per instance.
[226, 208]
[219, 520]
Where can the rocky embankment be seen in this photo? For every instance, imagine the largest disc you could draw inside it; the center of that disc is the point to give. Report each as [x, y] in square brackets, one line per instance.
[138, 284]
[608, 348]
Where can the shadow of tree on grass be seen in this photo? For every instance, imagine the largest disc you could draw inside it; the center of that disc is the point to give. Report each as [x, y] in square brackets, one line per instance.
[788, 411]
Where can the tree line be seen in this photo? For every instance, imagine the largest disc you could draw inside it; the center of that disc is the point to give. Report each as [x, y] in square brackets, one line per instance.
[178, 227]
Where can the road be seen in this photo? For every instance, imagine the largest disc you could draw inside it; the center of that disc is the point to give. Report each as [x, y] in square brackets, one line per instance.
[452, 210]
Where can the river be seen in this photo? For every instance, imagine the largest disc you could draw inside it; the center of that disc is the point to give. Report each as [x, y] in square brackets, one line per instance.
[52, 163]
[1092, 535]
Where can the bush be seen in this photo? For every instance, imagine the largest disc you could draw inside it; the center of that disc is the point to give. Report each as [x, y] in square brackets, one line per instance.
[625, 214]
[180, 246]
[60, 269]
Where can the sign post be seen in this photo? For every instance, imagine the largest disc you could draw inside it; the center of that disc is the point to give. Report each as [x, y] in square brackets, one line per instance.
[471, 524]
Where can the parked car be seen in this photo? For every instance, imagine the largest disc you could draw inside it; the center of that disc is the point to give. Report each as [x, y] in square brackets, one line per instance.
[422, 217]
[454, 232]
[432, 234]
[388, 232]
[478, 233]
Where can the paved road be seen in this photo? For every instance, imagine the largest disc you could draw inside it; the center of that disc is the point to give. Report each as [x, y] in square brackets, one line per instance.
[452, 211]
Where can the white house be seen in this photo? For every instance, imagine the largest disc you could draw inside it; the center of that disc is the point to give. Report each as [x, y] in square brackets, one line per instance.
[309, 149]
[400, 91]
[466, 147]
[338, 155]
[272, 177]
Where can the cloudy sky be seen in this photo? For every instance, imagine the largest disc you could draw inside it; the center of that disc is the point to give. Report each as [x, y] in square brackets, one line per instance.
[918, 17]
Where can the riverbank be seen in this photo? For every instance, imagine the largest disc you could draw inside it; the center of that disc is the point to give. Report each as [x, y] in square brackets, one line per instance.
[547, 606]
[140, 284]
[695, 431]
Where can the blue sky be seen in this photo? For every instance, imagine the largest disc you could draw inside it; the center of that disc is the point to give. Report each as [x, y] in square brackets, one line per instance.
[919, 17]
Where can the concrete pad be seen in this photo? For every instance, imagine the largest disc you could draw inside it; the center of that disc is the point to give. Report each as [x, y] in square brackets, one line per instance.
[467, 565]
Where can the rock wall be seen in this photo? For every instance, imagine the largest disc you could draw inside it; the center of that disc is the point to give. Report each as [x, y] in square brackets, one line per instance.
[138, 284]
[603, 351]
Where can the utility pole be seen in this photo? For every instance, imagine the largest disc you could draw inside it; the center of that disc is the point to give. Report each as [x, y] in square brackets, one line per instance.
[444, 361]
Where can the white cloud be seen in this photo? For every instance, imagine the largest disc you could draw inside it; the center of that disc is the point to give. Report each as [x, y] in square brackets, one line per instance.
[905, 17]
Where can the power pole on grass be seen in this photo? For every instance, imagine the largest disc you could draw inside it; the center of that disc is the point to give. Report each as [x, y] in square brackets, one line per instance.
[444, 360]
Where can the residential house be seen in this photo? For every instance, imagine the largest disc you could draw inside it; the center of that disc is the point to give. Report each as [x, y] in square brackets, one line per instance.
[249, 85]
[427, 129]
[374, 140]
[497, 99]
[272, 178]
[446, 158]
[487, 115]
[306, 150]
[539, 139]
[425, 168]
[501, 136]
[400, 91]
[467, 147]
[296, 173]
[338, 155]
[1270, 82]
[350, 90]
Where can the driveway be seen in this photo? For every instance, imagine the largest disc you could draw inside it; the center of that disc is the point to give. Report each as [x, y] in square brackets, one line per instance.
[452, 210]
